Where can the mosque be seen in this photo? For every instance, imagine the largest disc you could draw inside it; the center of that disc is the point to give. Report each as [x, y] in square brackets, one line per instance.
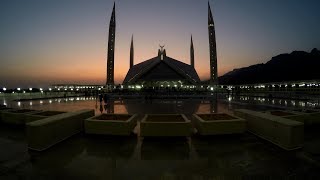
[162, 70]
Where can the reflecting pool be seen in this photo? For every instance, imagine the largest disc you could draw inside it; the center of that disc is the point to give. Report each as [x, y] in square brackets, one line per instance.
[222, 103]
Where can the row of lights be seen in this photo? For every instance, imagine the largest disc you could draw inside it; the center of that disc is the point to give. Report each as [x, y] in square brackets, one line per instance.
[78, 87]
[285, 85]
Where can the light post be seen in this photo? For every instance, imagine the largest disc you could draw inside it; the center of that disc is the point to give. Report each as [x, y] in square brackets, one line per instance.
[18, 90]
[30, 89]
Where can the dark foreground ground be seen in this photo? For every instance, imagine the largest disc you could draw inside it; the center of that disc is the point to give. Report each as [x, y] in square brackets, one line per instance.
[105, 157]
[217, 157]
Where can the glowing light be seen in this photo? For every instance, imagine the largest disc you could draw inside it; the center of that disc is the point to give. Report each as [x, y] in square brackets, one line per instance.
[50, 101]
[30, 103]
[30, 89]
[58, 89]
[41, 102]
[50, 89]
[211, 88]
[99, 89]
[4, 89]
[18, 89]
[71, 89]
[40, 89]
[19, 103]
[138, 86]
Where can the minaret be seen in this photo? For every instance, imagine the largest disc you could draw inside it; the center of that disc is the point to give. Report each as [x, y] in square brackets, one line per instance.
[213, 49]
[191, 53]
[131, 52]
[111, 41]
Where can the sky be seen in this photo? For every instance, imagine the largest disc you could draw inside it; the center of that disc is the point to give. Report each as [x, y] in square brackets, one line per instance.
[44, 42]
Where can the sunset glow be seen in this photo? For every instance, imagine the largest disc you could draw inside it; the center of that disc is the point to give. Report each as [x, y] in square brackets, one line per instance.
[48, 42]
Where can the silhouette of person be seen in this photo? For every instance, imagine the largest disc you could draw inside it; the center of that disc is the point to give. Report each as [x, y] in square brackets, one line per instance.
[101, 108]
[100, 98]
[106, 98]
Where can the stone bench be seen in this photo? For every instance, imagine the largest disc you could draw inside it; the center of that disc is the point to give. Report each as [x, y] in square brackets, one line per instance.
[285, 133]
[157, 125]
[218, 123]
[111, 124]
[16, 116]
[47, 132]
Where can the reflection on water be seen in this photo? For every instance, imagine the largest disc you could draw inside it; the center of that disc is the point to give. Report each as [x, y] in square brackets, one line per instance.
[161, 106]
[164, 149]
[288, 103]
[108, 157]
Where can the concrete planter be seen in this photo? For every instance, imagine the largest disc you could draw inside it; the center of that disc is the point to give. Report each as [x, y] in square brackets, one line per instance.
[285, 133]
[47, 132]
[306, 118]
[3, 109]
[282, 113]
[165, 125]
[219, 123]
[17, 116]
[41, 115]
[111, 124]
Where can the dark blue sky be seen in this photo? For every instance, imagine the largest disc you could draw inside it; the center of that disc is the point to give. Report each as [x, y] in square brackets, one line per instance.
[64, 41]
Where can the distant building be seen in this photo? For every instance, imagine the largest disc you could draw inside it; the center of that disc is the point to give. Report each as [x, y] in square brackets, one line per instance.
[162, 70]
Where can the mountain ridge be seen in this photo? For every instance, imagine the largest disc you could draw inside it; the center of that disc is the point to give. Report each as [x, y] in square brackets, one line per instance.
[297, 65]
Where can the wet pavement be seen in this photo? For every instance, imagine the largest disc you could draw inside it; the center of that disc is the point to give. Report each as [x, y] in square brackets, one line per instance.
[83, 156]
